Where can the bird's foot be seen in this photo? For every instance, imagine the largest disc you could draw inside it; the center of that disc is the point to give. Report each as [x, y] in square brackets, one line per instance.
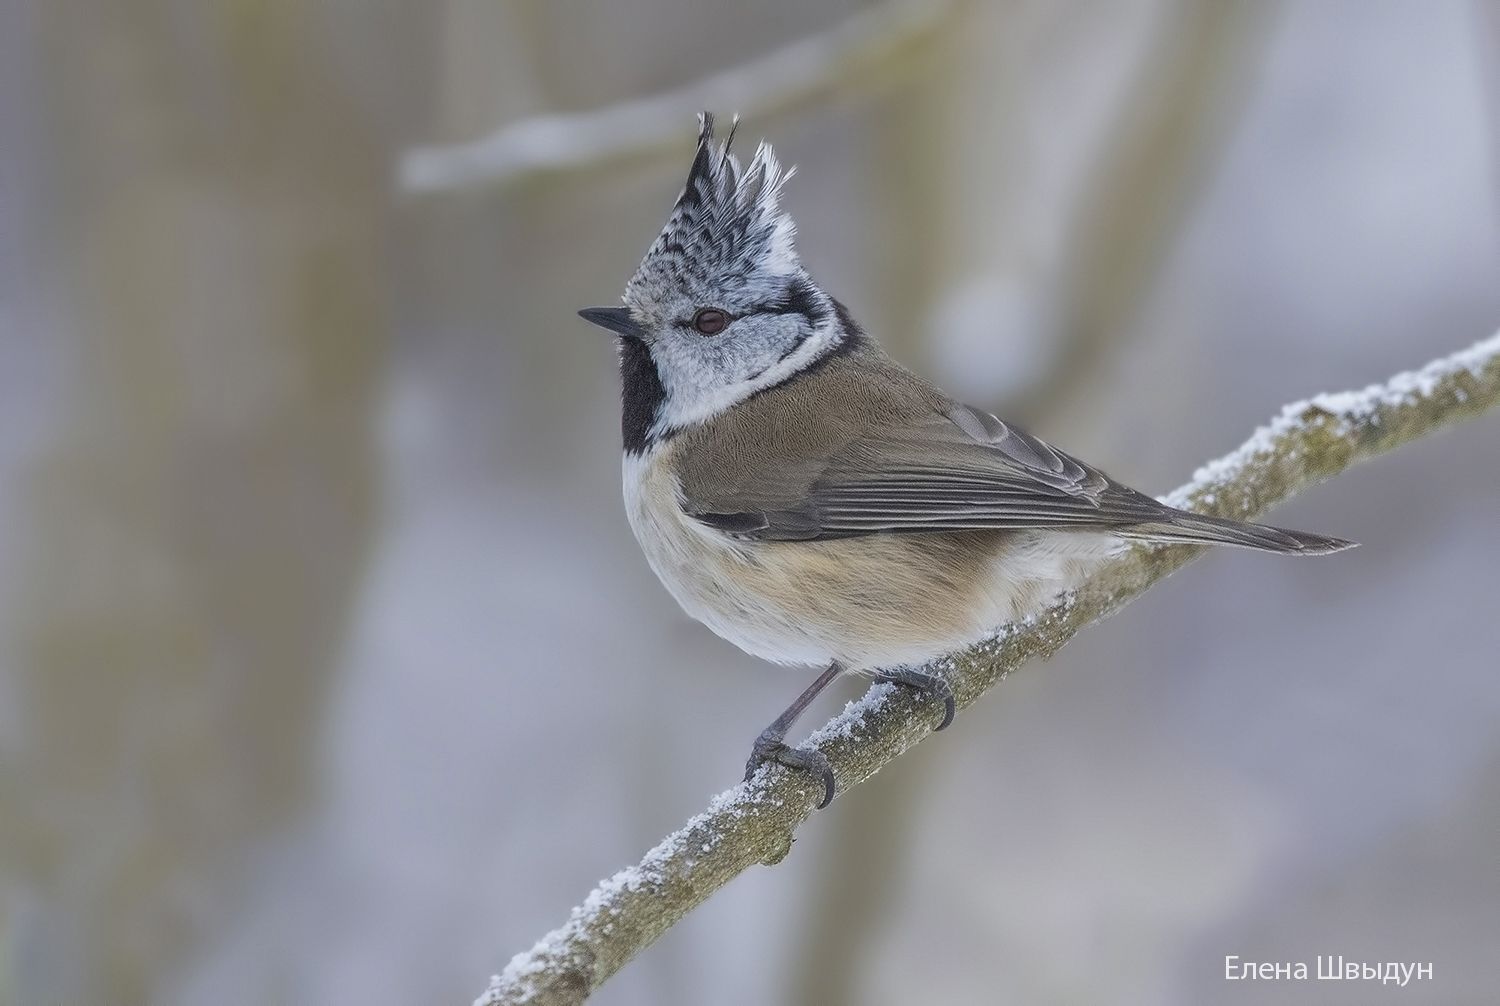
[926, 686]
[769, 747]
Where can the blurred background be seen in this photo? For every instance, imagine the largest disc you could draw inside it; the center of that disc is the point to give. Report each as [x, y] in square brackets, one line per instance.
[330, 672]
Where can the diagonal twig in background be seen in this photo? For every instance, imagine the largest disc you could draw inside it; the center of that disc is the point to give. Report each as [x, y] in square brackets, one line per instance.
[862, 48]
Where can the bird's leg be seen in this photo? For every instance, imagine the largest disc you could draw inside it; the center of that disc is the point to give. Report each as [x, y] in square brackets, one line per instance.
[926, 686]
[771, 744]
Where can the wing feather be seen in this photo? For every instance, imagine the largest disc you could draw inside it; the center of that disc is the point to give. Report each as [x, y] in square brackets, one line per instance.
[962, 469]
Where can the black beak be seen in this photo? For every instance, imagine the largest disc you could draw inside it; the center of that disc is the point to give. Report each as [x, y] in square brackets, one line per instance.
[616, 319]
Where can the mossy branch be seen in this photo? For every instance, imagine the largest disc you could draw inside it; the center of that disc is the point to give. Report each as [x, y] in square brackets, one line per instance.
[754, 822]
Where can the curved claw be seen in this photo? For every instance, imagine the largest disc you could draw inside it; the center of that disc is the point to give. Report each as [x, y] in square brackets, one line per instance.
[950, 707]
[829, 785]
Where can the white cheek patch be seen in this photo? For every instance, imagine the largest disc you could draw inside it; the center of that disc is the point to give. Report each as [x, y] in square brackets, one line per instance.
[690, 402]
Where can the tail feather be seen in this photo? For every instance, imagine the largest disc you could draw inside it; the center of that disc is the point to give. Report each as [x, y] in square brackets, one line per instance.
[1196, 529]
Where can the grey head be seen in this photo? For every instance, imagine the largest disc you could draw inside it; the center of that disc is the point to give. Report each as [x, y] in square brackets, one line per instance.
[720, 307]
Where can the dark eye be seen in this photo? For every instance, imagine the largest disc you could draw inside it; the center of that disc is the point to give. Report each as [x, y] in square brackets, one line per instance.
[710, 321]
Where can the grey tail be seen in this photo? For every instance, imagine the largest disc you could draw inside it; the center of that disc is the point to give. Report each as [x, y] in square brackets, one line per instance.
[1195, 529]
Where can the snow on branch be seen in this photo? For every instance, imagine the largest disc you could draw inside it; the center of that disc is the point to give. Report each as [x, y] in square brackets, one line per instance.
[1308, 442]
[864, 47]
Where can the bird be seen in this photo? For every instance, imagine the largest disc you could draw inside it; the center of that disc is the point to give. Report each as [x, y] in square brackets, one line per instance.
[814, 502]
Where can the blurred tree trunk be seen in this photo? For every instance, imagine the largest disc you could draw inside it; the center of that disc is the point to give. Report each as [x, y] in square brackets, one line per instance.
[195, 532]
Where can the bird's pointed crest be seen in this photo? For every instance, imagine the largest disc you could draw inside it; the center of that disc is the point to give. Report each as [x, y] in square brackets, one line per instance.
[727, 226]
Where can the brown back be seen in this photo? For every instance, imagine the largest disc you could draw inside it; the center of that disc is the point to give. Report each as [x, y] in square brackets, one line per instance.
[768, 450]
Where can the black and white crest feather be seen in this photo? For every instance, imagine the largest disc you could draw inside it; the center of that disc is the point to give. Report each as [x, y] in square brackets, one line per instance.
[727, 229]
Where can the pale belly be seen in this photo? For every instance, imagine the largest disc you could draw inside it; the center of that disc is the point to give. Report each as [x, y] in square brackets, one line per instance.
[872, 602]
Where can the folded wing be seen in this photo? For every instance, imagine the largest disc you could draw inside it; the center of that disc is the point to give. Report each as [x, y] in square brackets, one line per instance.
[962, 469]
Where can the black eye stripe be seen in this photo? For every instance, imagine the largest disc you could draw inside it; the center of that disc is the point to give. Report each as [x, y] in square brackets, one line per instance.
[799, 299]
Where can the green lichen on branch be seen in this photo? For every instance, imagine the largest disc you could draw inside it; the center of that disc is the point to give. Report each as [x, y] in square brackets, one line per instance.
[754, 823]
